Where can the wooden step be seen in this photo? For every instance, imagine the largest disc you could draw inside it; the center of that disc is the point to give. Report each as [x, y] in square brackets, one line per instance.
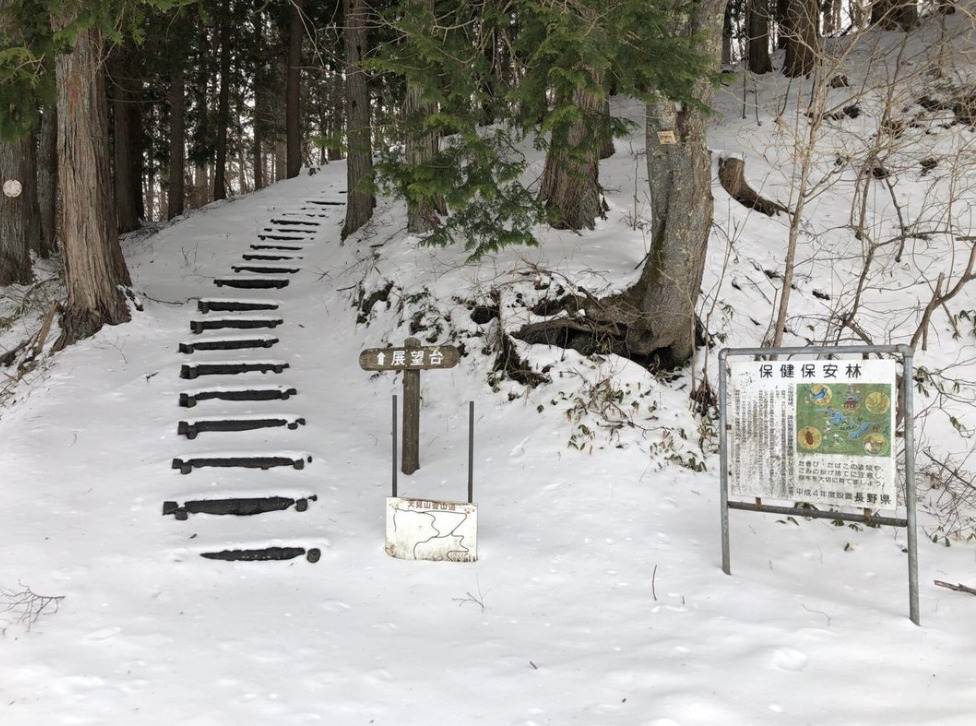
[237, 506]
[193, 370]
[276, 393]
[252, 283]
[228, 344]
[198, 326]
[265, 269]
[271, 258]
[267, 553]
[287, 248]
[190, 429]
[208, 305]
[187, 465]
[294, 223]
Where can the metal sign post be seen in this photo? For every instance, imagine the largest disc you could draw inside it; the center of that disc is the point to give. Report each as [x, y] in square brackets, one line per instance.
[432, 529]
[809, 426]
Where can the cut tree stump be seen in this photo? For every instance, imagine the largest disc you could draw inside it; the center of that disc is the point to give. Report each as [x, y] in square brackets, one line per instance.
[732, 176]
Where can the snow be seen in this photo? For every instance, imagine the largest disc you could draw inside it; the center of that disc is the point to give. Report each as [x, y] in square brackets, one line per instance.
[598, 596]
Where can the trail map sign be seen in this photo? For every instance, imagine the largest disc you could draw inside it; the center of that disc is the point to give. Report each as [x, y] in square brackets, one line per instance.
[419, 529]
[817, 431]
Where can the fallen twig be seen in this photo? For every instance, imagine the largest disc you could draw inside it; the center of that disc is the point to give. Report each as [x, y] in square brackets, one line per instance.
[957, 588]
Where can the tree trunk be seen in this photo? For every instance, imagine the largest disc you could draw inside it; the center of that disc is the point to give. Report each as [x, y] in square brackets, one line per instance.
[360, 199]
[420, 145]
[420, 148]
[149, 193]
[176, 192]
[296, 32]
[127, 149]
[680, 179]
[16, 176]
[258, 161]
[223, 104]
[757, 36]
[279, 160]
[94, 268]
[728, 30]
[895, 14]
[802, 34]
[47, 181]
[570, 187]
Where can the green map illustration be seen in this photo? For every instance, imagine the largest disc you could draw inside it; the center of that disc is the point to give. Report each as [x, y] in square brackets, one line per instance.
[849, 419]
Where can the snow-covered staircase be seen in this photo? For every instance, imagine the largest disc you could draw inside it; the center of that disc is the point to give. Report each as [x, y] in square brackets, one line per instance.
[239, 326]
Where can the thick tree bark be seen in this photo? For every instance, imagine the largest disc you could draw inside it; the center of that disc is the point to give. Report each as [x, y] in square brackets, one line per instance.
[420, 148]
[223, 104]
[360, 198]
[94, 268]
[296, 32]
[47, 181]
[570, 187]
[176, 192]
[802, 33]
[15, 212]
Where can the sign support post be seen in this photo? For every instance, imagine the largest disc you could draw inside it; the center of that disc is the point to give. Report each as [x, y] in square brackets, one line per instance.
[394, 445]
[411, 414]
[909, 413]
[410, 360]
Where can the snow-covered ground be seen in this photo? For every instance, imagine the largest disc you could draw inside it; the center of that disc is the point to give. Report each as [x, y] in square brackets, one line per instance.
[598, 596]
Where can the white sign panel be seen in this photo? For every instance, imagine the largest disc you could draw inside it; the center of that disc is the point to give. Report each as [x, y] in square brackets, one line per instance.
[814, 431]
[424, 529]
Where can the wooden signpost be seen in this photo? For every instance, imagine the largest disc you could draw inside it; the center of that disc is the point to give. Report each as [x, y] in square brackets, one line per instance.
[411, 359]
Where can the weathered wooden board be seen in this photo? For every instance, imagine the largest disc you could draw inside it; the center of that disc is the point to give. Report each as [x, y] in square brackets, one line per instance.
[409, 358]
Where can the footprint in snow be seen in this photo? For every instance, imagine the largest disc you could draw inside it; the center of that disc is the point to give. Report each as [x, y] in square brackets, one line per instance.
[519, 451]
[789, 659]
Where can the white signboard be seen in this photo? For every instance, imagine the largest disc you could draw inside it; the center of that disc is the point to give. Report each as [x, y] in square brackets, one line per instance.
[814, 431]
[424, 529]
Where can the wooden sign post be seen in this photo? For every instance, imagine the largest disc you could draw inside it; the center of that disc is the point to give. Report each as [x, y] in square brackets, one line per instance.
[411, 359]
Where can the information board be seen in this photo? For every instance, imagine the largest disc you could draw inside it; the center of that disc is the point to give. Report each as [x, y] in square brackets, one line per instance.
[424, 529]
[814, 431]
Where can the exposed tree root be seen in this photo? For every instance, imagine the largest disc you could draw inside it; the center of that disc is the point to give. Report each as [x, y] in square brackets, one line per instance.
[593, 326]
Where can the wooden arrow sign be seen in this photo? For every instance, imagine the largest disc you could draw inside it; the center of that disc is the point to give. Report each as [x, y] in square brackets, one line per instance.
[421, 358]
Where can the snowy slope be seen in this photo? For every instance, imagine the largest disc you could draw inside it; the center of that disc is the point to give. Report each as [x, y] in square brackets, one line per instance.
[598, 596]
